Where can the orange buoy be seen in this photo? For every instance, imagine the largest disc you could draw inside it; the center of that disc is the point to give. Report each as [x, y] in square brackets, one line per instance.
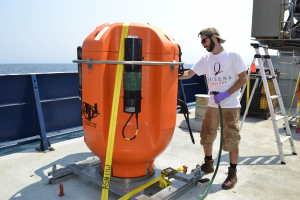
[158, 102]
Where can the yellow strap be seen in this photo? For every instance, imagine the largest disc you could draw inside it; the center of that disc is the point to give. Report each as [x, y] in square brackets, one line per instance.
[113, 117]
[162, 182]
[294, 95]
[248, 90]
[298, 124]
[135, 191]
[180, 169]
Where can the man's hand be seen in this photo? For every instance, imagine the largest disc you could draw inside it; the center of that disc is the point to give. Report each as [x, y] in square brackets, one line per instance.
[221, 96]
[187, 74]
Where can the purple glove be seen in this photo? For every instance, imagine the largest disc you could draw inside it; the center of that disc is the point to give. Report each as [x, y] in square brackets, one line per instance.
[221, 96]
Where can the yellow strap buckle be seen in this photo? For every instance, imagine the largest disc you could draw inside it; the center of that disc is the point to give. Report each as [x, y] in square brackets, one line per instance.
[161, 181]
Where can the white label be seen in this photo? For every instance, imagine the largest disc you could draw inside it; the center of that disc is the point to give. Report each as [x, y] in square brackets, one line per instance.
[130, 109]
[132, 36]
[101, 33]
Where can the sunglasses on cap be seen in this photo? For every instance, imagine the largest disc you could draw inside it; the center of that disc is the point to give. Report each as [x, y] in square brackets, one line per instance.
[203, 41]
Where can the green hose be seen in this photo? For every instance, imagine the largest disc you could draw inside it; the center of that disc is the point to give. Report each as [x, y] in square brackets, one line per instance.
[220, 153]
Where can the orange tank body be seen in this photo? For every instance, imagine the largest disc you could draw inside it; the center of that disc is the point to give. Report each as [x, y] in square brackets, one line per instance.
[159, 84]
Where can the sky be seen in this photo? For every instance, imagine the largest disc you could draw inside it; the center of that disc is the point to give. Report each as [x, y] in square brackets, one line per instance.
[49, 31]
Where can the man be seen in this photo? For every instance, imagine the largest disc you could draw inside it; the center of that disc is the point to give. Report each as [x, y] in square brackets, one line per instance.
[226, 73]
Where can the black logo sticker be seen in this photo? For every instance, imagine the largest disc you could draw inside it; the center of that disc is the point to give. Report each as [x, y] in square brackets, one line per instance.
[89, 112]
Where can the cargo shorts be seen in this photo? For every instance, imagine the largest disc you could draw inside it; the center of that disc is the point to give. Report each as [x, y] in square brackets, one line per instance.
[210, 124]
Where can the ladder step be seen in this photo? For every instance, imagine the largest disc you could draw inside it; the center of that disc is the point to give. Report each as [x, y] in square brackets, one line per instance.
[275, 97]
[283, 139]
[279, 117]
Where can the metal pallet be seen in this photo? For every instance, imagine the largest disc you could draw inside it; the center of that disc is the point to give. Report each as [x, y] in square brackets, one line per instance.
[89, 170]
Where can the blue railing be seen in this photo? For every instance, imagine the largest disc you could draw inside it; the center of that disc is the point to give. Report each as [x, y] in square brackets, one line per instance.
[188, 88]
[32, 106]
[36, 104]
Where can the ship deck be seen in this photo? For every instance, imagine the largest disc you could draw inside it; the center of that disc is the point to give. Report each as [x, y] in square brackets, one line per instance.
[23, 174]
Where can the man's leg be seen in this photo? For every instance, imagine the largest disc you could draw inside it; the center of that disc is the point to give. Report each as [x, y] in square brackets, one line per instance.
[207, 150]
[234, 158]
[231, 179]
[208, 134]
[231, 139]
[208, 165]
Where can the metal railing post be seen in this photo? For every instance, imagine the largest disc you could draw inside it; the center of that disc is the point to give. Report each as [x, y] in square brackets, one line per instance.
[45, 144]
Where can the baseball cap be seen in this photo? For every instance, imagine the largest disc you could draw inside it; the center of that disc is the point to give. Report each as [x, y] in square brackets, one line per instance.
[211, 31]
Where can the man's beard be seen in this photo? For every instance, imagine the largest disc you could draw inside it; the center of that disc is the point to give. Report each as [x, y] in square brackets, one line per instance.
[211, 46]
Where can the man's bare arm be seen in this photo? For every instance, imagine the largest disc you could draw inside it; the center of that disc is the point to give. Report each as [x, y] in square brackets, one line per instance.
[239, 83]
[187, 74]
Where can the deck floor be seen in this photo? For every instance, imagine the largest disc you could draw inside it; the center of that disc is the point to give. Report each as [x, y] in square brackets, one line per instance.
[23, 174]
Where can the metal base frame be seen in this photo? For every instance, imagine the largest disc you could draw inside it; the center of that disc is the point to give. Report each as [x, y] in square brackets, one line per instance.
[89, 170]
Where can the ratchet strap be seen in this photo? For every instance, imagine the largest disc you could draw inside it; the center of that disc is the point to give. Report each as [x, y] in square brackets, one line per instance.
[161, 181]
[113, 117]
[135, 191]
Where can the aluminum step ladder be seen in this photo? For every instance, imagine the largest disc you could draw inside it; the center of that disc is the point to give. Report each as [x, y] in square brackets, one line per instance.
[264, 77]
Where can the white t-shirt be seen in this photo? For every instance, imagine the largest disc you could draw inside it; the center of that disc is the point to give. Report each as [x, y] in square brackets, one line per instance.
[221, 73]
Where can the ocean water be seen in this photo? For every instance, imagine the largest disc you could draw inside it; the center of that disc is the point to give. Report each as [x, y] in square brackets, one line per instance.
[44, 68]
[37, 68]
[188, 66]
